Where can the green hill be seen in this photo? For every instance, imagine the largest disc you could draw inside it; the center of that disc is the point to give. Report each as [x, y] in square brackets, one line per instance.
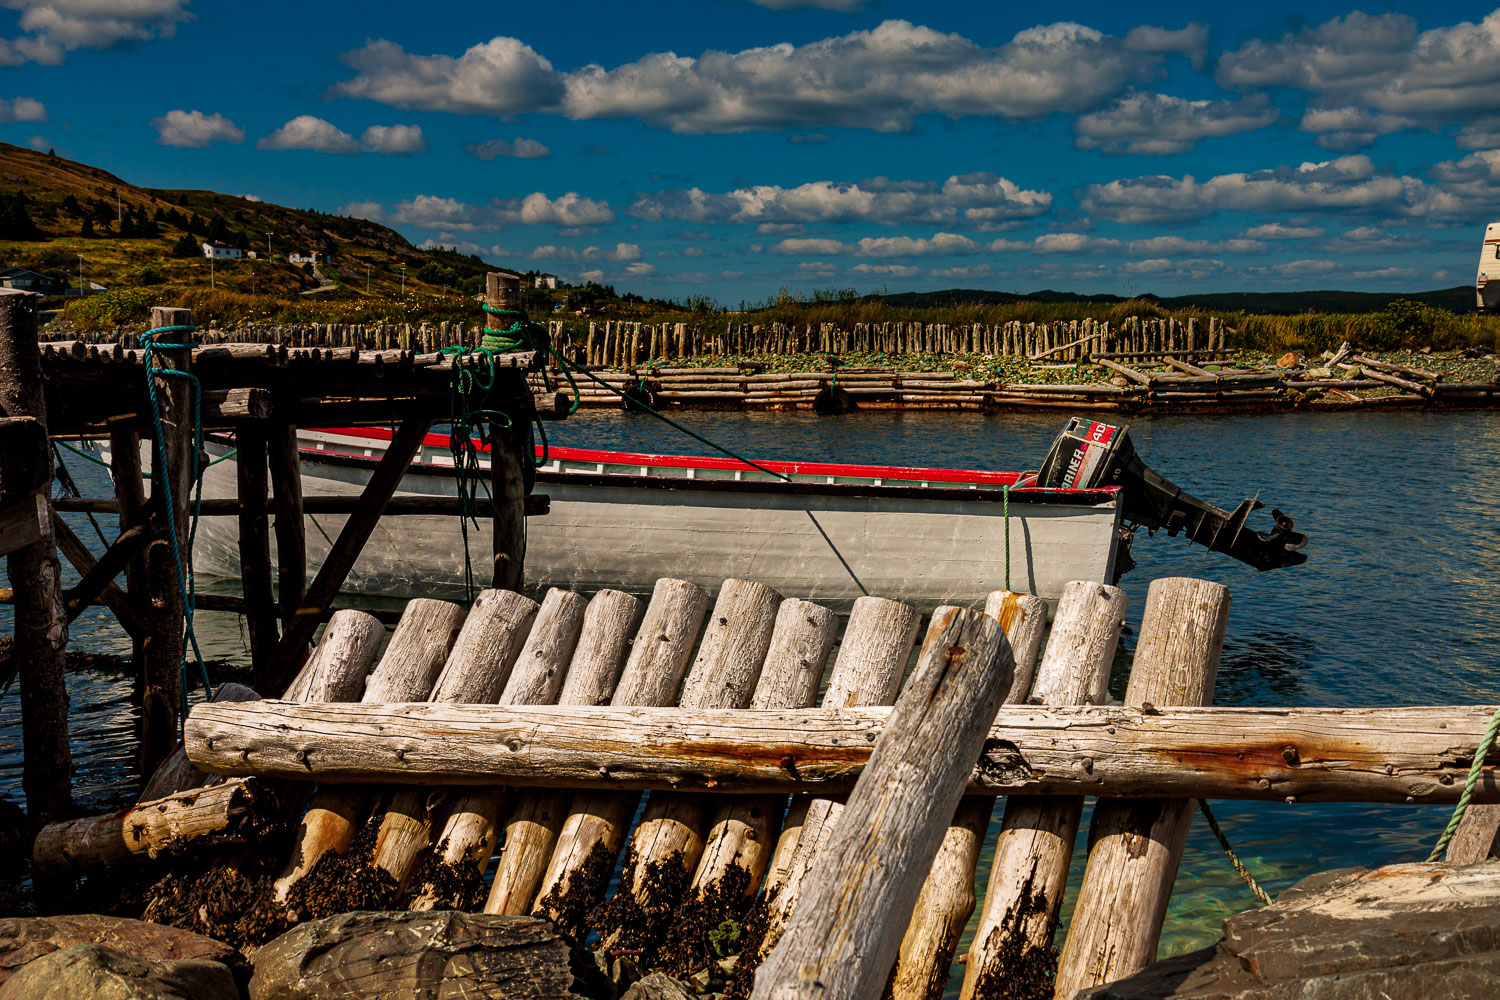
[1459, 299]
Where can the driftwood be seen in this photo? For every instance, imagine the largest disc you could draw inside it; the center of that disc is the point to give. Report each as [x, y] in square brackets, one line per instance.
[176, 773]
[844, 935]
[1135, 847]
[1029, 870]
[1312, 754]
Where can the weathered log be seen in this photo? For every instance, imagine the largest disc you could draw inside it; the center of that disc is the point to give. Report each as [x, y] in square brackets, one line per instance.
[595, 826]
[251, 472]
[475, 673]
[872, 658]
[1312, 754]
[416, 653]
[537, 817]
[947, 897]
[885, 842]
[176, 773]
[723, 675]
[1477, 837]
[742, 829]
[1135, 847]
[1029, 870]
[472, 828]
[335, 672]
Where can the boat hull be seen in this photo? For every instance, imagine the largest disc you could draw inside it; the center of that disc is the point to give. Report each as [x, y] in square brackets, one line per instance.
[833, 544]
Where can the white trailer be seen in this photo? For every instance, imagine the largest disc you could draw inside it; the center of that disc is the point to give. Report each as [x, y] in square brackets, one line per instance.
[1487, 285]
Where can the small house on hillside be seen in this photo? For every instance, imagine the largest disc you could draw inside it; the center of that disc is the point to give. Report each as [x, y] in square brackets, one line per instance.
[29, 281]
[216, 252]
[546, 281]
[311, 257]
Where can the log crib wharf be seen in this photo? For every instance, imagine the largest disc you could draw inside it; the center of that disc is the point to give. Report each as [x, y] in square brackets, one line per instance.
[783, 820]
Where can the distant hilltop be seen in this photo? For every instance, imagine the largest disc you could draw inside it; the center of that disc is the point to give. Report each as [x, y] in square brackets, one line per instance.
[1459, 299]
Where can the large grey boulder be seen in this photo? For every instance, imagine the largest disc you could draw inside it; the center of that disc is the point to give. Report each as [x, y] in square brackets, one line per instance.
[25, 939]
[425, 956]
[100, 973]
[659, 986]
[1403, 931]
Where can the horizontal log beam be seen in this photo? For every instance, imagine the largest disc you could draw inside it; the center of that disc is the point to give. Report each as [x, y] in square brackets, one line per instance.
[1310, 754]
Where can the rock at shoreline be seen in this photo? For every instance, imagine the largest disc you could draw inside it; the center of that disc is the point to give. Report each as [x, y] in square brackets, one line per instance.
[402, 955]
[659, 986]
[100, 973]
[24, 940]
[1413, 930]
[1288, 360]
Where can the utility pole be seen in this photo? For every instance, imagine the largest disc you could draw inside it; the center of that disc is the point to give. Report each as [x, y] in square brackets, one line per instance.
[367, 279]
[119, 209]
[211, 271]
[80, 275]
[403, 279]
[269, 255]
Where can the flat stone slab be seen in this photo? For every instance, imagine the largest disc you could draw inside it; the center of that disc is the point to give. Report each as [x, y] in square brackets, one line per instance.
[401, 955]
[1412, 930]
[26, 939]
[100, 973]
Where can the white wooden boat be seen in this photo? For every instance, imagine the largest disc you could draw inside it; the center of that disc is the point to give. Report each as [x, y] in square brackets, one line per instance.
[621, 520]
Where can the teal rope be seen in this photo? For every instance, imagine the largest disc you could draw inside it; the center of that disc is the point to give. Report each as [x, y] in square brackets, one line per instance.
[1487, 741]
[185, 581]
[527, 337]
[466, 423]
[85, 453]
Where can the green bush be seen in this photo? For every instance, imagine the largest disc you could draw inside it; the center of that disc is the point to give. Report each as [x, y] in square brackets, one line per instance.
[113, 308]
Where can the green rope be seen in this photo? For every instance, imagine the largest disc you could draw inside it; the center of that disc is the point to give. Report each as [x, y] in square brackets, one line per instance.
[1234, 859]
[185, 581]
[85, 453]
[1487, 741]
[1005, 512]
[468, 433]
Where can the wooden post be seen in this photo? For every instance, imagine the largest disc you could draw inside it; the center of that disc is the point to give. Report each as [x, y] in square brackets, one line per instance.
[1030, 867]
[41, 624]
[1134, 847]
[595, 826]
[508, 455]
[947, 898]
[255, 544]
[416, 653]
[603, 642]
[171, 471]
[130, 493]
[475, 674]
[291, 540]
[845, 934]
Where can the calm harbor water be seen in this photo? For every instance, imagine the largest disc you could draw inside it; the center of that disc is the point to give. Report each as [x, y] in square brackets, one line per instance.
[1398, 604]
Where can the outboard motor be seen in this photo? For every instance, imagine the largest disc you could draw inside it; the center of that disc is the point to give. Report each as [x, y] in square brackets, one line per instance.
[831, 401]
[1089, 454]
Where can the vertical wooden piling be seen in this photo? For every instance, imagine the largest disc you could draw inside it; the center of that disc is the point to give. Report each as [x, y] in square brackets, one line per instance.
[291, 540]
[130, 493]
[1029, 871]
[41, 621]
[1134, 847]
[508, 453]
[255, 544]
[844, 936]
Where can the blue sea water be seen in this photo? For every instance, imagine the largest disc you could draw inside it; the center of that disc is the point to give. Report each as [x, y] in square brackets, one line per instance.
[1398, 603]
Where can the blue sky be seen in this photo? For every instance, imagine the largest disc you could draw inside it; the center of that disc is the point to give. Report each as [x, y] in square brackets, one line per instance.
[732, 148]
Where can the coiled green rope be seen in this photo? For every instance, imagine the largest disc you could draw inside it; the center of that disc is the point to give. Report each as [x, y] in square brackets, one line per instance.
[1475, 769]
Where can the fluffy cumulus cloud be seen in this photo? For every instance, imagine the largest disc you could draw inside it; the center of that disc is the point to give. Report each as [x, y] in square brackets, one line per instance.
[22, 109]
[982, 200]
[1343, 129]
[1346, 184]
[310, 132]
[1379, 61]
[53, 28]
[940, 245]
[397, 140]
[619, 252]
[195, 130]
[1160, 123]
[1481, 134]
[570, 211]
[881, 78]
[1083, 243]
[1475, 178]
[1281, 231]
[520, 149]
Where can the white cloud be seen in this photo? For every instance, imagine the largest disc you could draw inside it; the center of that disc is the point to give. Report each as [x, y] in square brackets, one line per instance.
[1076, 243]
[1385, 273]
[1349, 183]
[1481, 134]
[427, 211]
[886, 270]
[1295, 268]
[22, 109]
[521, 149]
[982, 200]
[1379, 61]
[1156, 124]
[620, 252]
[940, 245]
[1476, 178]
[53, 28]
[309, 132]
[396, 140]
[881, 78]
[195, 130]
[1279, 231]
[1344, 129]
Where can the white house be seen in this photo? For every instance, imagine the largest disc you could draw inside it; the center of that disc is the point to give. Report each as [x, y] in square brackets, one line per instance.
[222, 253]
[311, 257]
[545, 281]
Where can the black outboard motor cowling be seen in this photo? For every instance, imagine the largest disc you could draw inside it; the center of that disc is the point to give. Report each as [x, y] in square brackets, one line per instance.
[1089, 454]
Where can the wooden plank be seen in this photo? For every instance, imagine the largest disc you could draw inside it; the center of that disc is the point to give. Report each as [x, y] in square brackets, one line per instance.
[1135, 847]
[253, 479]
[25, 457]
[1125, 370]
[121, 552]
[883, 846]
[23, 523]
[1478, 836]
[287, 507]
[387, 475]
[77, 553]
[1311, 754]
[509, 451]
